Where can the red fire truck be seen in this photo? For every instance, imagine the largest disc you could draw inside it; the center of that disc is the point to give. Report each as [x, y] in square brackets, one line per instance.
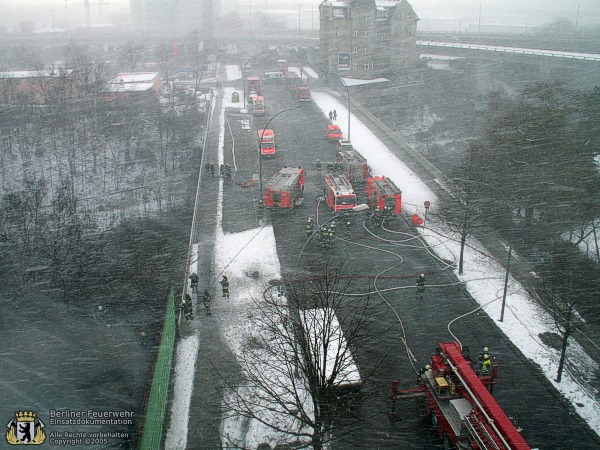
[285, 189]
[354, 165]
[460, 404]
[258, 105]
[292, 81]
[333, 132]
[266, 139]
[383, 192]
[339, 193]
[303, 93]
[253, 84]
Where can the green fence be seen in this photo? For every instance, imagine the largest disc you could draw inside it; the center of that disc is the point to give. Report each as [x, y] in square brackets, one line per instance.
[156, 405]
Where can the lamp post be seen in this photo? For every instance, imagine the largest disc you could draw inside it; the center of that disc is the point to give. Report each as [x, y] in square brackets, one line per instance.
[501, 195]
[348, 94]
[260, 184]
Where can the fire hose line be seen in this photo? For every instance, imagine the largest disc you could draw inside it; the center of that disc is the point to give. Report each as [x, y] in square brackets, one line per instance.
[423, 245]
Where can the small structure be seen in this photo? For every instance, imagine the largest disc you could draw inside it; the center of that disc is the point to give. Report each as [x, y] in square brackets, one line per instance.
[138, 83]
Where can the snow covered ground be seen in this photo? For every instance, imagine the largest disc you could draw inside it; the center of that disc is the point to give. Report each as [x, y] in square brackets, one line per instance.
[237, 256]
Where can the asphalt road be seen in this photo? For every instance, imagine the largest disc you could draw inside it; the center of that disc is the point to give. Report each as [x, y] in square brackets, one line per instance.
[548, 422]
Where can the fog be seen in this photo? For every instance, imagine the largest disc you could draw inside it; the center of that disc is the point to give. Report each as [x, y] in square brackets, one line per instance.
[434, 14]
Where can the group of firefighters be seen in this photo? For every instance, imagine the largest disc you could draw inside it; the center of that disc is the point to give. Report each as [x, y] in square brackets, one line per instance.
[186, 301]
[326, 234]
[224, 170]
[483, 367]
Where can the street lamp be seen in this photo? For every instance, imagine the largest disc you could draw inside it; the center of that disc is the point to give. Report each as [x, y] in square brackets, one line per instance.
[348, 94]
[260, 145]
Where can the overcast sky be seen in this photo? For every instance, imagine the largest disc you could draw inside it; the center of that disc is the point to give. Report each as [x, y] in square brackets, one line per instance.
[515, 12]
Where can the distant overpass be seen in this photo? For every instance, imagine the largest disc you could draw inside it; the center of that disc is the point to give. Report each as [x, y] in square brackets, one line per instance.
[515, 50]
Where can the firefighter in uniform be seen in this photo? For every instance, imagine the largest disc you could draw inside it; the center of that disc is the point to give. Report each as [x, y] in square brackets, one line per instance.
[206, 298]
[222, 170]
[212, 169]
[421, 284]
[186, 305]
[348, 229]
[194, 281]
[485, 351]
[486, 366]
[329, 167]
[423, 370]
[227, 170]
[309, 227]
[318, 166]
[225, 285]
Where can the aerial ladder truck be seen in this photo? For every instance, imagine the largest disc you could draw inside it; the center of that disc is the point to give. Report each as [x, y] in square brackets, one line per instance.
[460, 404]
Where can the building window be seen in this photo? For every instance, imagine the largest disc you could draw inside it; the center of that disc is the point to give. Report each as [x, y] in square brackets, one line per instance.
[365, 66]
[367, 17]
[366, 51]
[355, 33]
[365, 34]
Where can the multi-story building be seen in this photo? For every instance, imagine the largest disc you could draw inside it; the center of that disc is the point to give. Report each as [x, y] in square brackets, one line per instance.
[367, 38]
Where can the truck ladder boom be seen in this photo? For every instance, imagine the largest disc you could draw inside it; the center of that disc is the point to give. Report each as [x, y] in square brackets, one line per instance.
[497, 420]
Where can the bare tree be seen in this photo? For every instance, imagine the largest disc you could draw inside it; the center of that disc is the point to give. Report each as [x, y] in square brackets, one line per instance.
[564, 287]
[299, 364]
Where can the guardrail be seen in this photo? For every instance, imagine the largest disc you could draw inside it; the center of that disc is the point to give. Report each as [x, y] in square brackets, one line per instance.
[156, 401]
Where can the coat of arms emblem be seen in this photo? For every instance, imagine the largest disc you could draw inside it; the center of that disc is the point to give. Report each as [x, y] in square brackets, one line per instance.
[25, 428]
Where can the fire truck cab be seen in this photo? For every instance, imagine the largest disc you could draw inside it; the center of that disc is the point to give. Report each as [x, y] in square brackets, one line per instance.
[253, 84]
[334, 132]
[285, 189]
[354, 165]
[339, 193]
[266, 139]
[258, 105]
[303, 93]
[383, 192]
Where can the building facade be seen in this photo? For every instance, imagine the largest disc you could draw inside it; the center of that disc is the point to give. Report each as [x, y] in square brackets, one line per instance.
[367, 38]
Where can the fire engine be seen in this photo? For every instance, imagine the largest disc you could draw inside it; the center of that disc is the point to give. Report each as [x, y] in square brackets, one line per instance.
[266, 139]
[258, 105]
[303, 93]
[334, 132]
[292, 81]
[354, 165]
[339, 193]
[460, 404]
[285, 189]
[383, 192]
[253, 84]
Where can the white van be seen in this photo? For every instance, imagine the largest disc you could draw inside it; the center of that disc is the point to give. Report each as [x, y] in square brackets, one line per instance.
[273, 77]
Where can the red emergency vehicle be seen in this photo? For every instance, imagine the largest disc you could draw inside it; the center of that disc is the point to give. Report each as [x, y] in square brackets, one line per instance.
[383, 192]
[303, 93]
[292, 81]
[354, 165]
[253, 84]
[285, 189]
[339, 193]
[460, 403]
[266, 139]
[258, 105]
[334, 132]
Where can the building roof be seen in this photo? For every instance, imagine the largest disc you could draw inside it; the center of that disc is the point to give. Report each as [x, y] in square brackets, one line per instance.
[35, 73]
[132, 82]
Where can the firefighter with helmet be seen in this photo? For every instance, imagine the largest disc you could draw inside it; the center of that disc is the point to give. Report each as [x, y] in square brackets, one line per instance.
[318, 165]
[485, 351]
[206, 298]
[225, 285]
[423, 370]
[186, 306]
[486, 365]
[421, 283]
[309, 227]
